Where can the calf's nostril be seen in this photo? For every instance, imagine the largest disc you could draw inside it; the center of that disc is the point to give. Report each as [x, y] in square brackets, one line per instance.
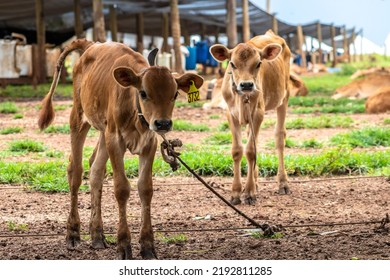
[246, 85]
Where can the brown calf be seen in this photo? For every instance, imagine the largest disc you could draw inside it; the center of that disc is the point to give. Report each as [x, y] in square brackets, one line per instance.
[379, 101]
[117, 92]
[258, 72]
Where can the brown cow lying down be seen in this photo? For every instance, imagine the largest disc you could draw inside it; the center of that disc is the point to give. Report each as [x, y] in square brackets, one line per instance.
[129, 101]
[364, 72]
[379, 102]
[364, 87]
[256, 80]
[296, 85]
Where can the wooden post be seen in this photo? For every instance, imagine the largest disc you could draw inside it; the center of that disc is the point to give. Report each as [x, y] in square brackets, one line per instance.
[354, 45]
[185, 33]
[275, 24]
[140, 32]
[113, 23]
[332, 35]
[268, 6]
[176, 34]
[231, 23]
[245, 21]
[78, 25]
[217, 34]
[319, 37]
[361, 45]
[40, 53]
[165, 33]
[345, 43]
[99, 30]
[202, 31]
[300, 46]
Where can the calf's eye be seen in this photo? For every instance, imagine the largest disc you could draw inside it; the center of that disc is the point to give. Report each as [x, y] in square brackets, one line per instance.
[143, 94]
[233, 66]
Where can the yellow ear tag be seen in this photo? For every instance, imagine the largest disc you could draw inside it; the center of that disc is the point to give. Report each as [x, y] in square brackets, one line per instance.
[193, 93]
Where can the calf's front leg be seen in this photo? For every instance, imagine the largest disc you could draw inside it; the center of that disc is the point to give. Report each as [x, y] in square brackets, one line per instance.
[145, 191]
[116, 150]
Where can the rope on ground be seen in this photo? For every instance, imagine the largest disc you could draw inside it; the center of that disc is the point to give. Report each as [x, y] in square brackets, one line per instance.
[383, 222]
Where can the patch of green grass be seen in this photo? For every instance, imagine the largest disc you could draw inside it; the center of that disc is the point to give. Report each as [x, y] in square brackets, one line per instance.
[28, 91]
[349, 109]
[219, 138]
[26, 145]
[290, 143]
[173, 239]
[325, 84]
[386, 121]
[13, 226]
[258, 234]
[54, 154]
[223, 126]
[214, 117]
[18, 116]
[311, 143]
[319, 122]
[8, 108]
[183, 125]
[55, 129]
[366, 137]
[11, 130]
[196, 104]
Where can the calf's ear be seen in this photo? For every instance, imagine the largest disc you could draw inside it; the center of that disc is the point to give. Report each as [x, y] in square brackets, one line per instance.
[220, 52]
[126, 77]
[184, 81]
[271, 51]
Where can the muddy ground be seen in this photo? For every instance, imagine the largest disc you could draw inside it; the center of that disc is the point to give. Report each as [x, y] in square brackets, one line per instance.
[181, 204]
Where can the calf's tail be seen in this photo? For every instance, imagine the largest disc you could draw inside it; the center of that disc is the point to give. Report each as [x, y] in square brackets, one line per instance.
[46, 114]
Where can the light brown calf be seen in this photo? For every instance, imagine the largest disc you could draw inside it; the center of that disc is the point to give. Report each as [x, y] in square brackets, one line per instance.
[117, 92]
[363, 88]
[379, 102]
[258, 72]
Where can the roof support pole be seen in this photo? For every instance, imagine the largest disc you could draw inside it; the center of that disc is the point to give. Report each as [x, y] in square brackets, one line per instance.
[354, 45]
[332, 35]
[113, 23]
[345, 44]
[176, 34]
[300, 46]
[165, 33]
[275, 24]
[319, 36]
[231, 23]
[40, 52]
[140, 32]
[186, 35]
[78, 25]
[245, 21]
[99, 30]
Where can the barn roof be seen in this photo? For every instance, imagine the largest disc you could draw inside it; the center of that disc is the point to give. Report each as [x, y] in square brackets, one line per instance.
[198, 16]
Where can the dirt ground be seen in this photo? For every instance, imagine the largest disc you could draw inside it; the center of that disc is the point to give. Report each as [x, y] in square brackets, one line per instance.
[183, 205]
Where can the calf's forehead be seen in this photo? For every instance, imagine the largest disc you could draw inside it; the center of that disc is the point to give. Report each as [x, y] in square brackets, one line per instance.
[244, 53]
[159, 80]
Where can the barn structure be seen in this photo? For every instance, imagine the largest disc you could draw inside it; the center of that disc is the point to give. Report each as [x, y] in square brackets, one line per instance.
[52, 22]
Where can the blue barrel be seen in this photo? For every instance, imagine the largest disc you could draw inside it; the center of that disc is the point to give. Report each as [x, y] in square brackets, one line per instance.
[201, 52]
[191, 59]
[211, 61]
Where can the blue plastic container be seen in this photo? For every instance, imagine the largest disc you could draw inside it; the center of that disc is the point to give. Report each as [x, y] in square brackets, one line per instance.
[201, 52]
[191, 59]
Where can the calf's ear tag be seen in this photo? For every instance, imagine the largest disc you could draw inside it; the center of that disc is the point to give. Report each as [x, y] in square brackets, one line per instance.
[193, 93]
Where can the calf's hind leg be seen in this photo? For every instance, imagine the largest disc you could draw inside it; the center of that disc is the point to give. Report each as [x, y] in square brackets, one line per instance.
[78, 133]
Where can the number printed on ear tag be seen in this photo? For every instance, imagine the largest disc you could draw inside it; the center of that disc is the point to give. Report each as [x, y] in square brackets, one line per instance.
[193, 93]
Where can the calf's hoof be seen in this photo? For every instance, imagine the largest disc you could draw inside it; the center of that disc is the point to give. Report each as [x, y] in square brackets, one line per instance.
[72, 241]
[284, 189]
[124, 253]
[235, 200]
[99, 243]
[148, 254]
[250, 200]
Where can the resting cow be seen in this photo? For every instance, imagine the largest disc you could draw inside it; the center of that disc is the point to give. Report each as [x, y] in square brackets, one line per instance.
[258, 72]
[128, 100]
